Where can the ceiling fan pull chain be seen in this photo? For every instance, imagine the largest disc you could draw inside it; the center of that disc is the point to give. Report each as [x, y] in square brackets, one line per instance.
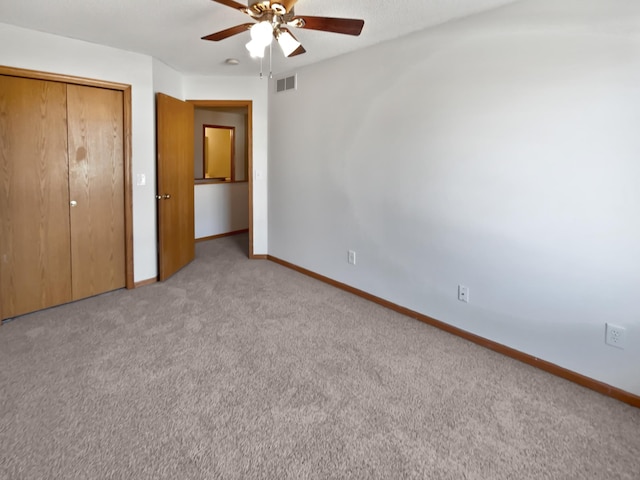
[270, 60]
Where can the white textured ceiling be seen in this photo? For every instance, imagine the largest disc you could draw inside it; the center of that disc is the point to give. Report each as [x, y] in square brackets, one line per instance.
[170, 30]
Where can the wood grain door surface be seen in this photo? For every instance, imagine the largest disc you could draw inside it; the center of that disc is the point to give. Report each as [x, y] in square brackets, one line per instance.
[176, 231]
[59, 144]
[96, 190]
[34, 201]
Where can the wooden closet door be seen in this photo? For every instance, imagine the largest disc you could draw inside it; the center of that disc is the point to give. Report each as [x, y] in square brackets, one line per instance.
[34, 200]
[96, 190]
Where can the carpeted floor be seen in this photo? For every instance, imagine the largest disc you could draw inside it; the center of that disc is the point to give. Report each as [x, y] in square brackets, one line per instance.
[243, 369]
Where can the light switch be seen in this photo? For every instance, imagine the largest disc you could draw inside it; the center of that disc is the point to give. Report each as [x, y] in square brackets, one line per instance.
[141, 180]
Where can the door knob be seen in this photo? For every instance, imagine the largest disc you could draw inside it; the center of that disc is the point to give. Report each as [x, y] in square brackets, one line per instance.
[73, 203]
[166, 196]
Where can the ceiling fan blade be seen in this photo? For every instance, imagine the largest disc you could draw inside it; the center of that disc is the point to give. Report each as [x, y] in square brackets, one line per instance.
[299, 51]
[289, 43]
[229, 32]
[348, 26]
[233, 4]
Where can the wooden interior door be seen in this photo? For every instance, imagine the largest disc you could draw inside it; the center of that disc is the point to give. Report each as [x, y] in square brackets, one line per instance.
[176, 233]
[34, 200]
[96, 190]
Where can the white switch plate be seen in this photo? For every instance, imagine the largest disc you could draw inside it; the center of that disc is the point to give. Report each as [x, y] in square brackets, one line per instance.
[351, 257]
[141, 179]
[463, 293]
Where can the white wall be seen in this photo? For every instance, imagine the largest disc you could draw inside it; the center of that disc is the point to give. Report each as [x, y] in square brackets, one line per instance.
[49, 53]
[499, 152]
[167, 80]
[221, 208]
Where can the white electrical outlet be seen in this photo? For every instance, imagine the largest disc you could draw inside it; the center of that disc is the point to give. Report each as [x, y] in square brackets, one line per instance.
[351, 257]
[463, 293]
[615, 335]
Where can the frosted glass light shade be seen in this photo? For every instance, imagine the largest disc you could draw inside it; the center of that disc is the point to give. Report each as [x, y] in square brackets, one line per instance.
[256, 50]
[287, 42]
[262, 33]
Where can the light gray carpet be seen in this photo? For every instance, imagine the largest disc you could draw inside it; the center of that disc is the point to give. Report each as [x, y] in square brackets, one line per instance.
[243, 369]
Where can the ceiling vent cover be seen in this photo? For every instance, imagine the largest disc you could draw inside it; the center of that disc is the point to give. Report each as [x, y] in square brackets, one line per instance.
[287, 83]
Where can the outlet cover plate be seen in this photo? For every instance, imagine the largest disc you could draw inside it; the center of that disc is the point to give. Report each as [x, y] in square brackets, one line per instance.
[616, 335]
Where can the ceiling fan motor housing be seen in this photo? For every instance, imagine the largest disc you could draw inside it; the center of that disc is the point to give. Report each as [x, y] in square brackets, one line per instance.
[261, 6]
[268, 10]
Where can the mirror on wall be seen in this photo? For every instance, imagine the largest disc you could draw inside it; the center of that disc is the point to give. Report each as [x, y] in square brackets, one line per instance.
[218, 152]
[220, 148]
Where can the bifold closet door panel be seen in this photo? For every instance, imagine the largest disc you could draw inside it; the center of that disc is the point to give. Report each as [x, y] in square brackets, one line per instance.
[34, 199]
[96, 189]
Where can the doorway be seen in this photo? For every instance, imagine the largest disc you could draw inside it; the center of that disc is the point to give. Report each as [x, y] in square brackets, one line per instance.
[224, 203]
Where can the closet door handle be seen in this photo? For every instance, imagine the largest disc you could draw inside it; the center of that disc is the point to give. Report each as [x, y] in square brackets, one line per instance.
[73, 203]
[166, 196]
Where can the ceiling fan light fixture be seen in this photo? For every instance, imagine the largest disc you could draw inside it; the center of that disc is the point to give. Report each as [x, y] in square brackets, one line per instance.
[271, 19]
[256, 50]
[287, 42]
[259, 6]
[278, 8]
[262, 33]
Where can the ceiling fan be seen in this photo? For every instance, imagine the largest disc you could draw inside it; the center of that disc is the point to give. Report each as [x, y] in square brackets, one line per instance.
[271, 19]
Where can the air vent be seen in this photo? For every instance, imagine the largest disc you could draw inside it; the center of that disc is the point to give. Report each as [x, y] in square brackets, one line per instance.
[287, 83]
